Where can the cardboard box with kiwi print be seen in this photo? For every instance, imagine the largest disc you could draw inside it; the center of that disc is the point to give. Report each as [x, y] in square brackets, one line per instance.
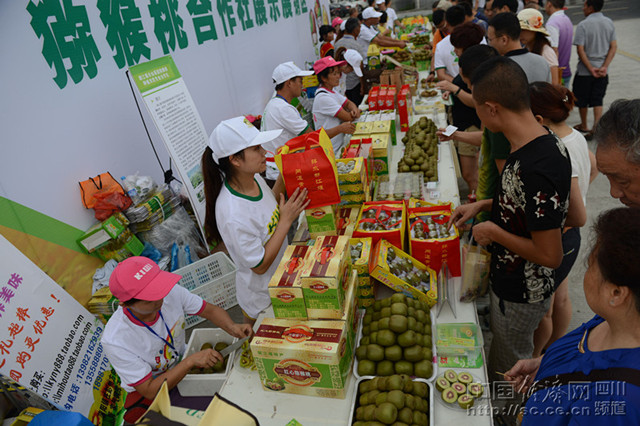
[285, 290]
[401, 272]
[360, 250]
[347, 217]
[321, 221]
[303, 357]
[324, 277]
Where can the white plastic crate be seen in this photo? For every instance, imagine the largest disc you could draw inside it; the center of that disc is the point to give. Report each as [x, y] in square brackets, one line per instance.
[212, 278]
[206, 384]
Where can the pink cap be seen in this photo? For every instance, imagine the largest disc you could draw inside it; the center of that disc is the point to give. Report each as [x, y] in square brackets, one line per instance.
[141, 278]
[336, 21]
[326, 62]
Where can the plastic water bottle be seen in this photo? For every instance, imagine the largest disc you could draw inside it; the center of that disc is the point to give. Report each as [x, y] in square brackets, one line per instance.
[129, 189]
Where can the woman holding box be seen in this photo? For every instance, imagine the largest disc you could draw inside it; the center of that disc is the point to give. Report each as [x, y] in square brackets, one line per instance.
[242, 211]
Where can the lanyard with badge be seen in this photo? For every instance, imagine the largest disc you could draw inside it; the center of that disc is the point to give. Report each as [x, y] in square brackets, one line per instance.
[168, 343]
[282, 97]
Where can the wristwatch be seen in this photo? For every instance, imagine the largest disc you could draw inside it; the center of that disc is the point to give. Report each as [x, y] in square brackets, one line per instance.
[457, 91]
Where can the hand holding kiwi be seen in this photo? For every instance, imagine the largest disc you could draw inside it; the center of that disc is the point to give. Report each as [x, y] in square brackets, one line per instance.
[208, 360]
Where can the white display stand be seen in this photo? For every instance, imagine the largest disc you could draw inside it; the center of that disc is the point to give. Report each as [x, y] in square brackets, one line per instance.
[272, 408]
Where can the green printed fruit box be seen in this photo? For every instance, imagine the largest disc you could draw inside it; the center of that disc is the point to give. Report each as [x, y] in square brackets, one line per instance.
[380, 148]
[357, 174]
[390, 116]
[285, 290]
[303, 357]
[350, 311]
[324, 277]
[360, 250]
[459, 345]
[321, 221]
[101, 233]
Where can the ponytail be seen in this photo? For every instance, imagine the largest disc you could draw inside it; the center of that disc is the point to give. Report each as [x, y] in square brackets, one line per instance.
[551, 101]
[214, 176]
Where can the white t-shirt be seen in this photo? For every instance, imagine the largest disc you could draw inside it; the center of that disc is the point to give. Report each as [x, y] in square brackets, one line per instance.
[246, 224]
[580, 161]
[392, 16]
[342, 86]
[280, 114]
[550, 55]
[367, 34]
[445, 57]
[326, 106]
[135, 352]
[554, 34]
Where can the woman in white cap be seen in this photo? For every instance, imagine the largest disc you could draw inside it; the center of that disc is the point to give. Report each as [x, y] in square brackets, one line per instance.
[331, 110]
[353, 64]
[533, 36]
[243, 212]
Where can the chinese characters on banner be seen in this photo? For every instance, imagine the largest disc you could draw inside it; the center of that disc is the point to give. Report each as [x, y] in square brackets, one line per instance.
[70, 50]
[50, 344]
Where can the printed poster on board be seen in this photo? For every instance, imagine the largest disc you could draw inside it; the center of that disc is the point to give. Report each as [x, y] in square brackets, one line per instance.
[50, 344]
[175, 115]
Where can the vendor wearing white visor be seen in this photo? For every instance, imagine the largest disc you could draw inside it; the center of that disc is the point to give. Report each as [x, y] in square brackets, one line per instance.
[243, 212]
[353, 66]
[369, 33]
[279, 114]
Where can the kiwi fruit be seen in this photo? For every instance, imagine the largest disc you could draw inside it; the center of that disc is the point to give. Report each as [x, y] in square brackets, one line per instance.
[465, 401]
[451, 376]
[475, 390]
[459, 388]
[449, 396]
[465, 378]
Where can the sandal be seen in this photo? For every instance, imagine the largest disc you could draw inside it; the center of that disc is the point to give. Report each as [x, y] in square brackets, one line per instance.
[579, 128]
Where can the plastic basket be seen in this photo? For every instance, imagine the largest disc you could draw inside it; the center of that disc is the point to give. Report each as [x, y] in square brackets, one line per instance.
[212, 278]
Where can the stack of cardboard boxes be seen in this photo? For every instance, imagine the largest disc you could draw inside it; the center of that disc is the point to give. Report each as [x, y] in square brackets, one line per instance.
[308, 348]
[353, 182]
[360, 257]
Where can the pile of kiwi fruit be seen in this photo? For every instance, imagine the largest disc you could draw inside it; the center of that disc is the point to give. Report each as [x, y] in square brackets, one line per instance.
[421, 55]
[459, 388]
[396, 338]
[395, 400]
[402, 56]
[421, 150]
[219, 367]
[420, 39]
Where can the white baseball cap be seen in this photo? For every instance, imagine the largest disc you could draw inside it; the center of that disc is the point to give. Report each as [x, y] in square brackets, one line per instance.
[370, 12]
[287, 71]
[380, 1]
[354, 59]
[343, 25]
[233, 135]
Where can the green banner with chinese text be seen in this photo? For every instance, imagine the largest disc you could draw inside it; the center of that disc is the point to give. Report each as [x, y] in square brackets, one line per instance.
[152, 74]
